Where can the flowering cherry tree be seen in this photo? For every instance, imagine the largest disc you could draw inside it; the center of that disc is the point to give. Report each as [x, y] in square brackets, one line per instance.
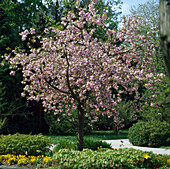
[73, 70]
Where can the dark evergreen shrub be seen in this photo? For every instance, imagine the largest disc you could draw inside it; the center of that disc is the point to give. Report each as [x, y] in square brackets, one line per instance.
[150, 134]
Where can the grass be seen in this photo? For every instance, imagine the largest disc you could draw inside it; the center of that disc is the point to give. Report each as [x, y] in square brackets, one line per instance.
[95, 135]
[167, 147]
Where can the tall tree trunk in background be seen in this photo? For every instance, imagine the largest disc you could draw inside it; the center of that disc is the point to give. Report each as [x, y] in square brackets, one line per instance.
[39, 112]
[165, 31]
[80, 134]
[57, 18]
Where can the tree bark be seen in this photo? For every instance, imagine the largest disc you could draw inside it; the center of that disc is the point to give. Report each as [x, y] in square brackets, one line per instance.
[39, 112]
[80, 134]
[165, 31]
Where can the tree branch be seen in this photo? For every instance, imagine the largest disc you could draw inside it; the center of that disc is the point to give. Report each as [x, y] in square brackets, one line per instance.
[56, 88]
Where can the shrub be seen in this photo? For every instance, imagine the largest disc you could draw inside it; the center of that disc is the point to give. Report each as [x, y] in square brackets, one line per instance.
[106, 158]
[88, 143]
[24, 144]
[65, 144]
[152, 133]
[94, 144]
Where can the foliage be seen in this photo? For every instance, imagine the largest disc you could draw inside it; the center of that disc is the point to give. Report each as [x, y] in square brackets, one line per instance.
[24, 144]
[106, 158]
[149, 11]
[20, 113]
[160, 106]
[67, 144]
[126, 111]
[60, 127]
[149, 134]
[88, 143]
[2, 100]
[8, 34]
[2, 123]
[103, 158]
[23, 13]
[61, 124]
[94, 144]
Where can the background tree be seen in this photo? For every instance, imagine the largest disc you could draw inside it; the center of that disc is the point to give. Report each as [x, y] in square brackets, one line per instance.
[149, 11]
[14, 17]
[165, 31]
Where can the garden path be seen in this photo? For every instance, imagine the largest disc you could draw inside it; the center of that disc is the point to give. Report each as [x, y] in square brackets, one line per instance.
[124, 143]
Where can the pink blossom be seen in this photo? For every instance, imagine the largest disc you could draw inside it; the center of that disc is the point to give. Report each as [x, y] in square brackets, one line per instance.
[12, 73]
[152, 104]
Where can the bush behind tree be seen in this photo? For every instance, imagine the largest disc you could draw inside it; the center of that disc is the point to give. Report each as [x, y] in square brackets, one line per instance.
[152, 133]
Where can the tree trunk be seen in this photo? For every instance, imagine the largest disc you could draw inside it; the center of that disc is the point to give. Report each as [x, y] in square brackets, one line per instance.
[57, 19]
[165, 31]
[39, 112]
[80, 134]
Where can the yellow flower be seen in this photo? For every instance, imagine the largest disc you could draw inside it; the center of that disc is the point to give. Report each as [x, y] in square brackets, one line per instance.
[168, 161]
[146, 156]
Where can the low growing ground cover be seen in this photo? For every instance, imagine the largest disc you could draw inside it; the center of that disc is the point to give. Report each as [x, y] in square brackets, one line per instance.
[109, 158]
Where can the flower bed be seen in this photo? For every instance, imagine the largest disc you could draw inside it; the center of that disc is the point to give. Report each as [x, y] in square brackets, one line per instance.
[104, 158]
[23, 160]
[127, 158]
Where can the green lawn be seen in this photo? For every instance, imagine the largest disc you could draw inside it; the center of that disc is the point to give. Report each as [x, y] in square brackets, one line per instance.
[95, 135]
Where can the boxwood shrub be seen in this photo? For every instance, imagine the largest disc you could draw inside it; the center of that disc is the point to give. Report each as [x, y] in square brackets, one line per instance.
[24, 144]
[150, 134]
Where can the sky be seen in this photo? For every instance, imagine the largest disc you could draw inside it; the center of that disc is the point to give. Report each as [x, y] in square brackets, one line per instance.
[128, 3]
